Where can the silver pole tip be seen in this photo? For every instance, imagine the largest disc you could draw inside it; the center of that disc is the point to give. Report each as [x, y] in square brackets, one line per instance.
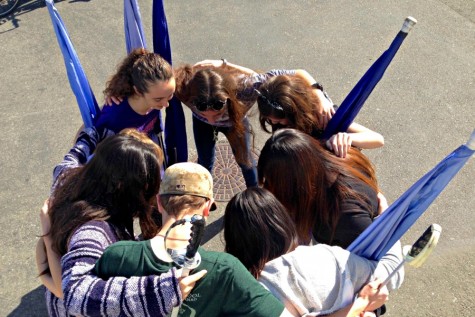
[408, 24]
[471, 141]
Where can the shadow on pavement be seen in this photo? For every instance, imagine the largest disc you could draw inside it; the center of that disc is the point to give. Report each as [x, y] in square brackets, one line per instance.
[26, 6]
[212, 230]
[32, 304]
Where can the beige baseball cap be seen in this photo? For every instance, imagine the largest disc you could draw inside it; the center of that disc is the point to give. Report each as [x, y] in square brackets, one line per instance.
[187, 179]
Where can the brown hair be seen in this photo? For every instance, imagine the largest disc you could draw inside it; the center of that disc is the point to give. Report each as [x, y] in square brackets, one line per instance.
[205, 84]
[177, 204]
[258, 229]
[118, 184]
[141, 136]
[314, 188]
[288, 97]
[139, 69]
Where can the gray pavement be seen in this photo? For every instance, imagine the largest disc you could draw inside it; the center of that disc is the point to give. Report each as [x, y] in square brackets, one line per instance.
[423, 107]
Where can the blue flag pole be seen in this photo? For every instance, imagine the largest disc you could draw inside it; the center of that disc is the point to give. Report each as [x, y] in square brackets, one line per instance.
[175, 129]
[352, 104]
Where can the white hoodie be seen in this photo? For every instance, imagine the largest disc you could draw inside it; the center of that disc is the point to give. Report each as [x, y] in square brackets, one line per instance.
[321, 279]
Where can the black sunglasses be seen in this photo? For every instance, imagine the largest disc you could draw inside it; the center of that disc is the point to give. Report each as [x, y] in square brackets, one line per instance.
[276, 106]
[216, 105]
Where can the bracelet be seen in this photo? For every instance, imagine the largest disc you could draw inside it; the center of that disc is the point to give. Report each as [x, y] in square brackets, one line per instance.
[225, 62]
[318, 86]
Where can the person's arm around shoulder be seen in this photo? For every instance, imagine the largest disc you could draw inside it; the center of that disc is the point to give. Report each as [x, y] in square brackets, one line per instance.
[43, 267]
[117, 294]
[388, 263]
[47, 260]
[365, 138]
[85, 145]
[358, 136]
[225, 65]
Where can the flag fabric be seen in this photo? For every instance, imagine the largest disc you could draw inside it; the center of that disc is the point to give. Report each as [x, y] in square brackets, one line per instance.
[175, 129]
[133, 28]
[352, 104]
[389, 227]
[77, 78]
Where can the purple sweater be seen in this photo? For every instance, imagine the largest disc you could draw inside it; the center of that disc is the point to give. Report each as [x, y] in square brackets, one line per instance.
[87, 295]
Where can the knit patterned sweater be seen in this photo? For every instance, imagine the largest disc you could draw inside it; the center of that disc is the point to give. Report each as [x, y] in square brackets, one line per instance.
[87, 295]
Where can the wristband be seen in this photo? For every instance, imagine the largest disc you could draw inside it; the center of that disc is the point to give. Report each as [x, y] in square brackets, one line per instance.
[225, 62]
[318, 86]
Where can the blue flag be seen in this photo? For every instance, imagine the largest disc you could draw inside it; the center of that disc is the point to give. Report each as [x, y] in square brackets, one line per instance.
[133, 28]
[77, 78]
[352, 104]
[175, 129]
[381, 235]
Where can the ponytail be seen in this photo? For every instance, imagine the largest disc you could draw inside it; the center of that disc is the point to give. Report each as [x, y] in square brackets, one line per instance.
[138, 69]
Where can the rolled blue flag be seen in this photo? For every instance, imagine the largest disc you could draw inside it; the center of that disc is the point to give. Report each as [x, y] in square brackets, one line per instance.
[77, 78]
[133, 28]
[352, 104]
[175, 129]
[380, 236]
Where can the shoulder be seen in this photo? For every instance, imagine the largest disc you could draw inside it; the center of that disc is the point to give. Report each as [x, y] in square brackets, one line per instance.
[225, 266]
[116, 110]
[126, 246]
[366, 193]
[220, 260]
[260, 78]
[98, 233]
[360, 186]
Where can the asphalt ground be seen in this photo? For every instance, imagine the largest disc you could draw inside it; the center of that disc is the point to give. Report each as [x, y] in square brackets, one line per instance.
[423, 107]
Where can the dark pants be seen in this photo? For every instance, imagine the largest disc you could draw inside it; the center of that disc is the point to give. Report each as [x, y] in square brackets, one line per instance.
[205, 146]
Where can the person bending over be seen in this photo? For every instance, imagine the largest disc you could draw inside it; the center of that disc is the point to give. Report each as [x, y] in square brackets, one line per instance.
[309, 280]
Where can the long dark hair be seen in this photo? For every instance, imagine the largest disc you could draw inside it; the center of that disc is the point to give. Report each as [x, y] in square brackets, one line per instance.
[309, 180]
[139, 69]
[118, 184]
[288, 97]
[258, 229]
[205, 84]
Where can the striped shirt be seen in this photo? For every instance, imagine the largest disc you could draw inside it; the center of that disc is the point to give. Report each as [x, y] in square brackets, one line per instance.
[87, 295]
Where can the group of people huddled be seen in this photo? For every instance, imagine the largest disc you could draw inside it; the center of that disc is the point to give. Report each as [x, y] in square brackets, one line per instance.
[307, 200]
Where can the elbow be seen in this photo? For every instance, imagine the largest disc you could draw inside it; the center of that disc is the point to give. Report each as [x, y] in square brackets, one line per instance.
[397, 280]
[58, 293]
[378, 141]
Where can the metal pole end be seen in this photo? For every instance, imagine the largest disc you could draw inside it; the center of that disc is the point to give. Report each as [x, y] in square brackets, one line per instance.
[408, 24]
[471, 141]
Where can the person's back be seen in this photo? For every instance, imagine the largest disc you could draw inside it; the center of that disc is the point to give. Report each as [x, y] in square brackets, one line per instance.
[227, 289]
[93, 206]
[323, 278]
[333, 198]
[318, 279]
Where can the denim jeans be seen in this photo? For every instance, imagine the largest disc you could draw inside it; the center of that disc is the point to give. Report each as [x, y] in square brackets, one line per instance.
[205, 146]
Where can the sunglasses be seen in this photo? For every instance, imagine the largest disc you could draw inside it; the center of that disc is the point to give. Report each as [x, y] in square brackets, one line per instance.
[216, 105]
[274, 105]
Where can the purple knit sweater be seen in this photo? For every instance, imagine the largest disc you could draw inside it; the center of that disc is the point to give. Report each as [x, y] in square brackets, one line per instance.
[87, 295]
